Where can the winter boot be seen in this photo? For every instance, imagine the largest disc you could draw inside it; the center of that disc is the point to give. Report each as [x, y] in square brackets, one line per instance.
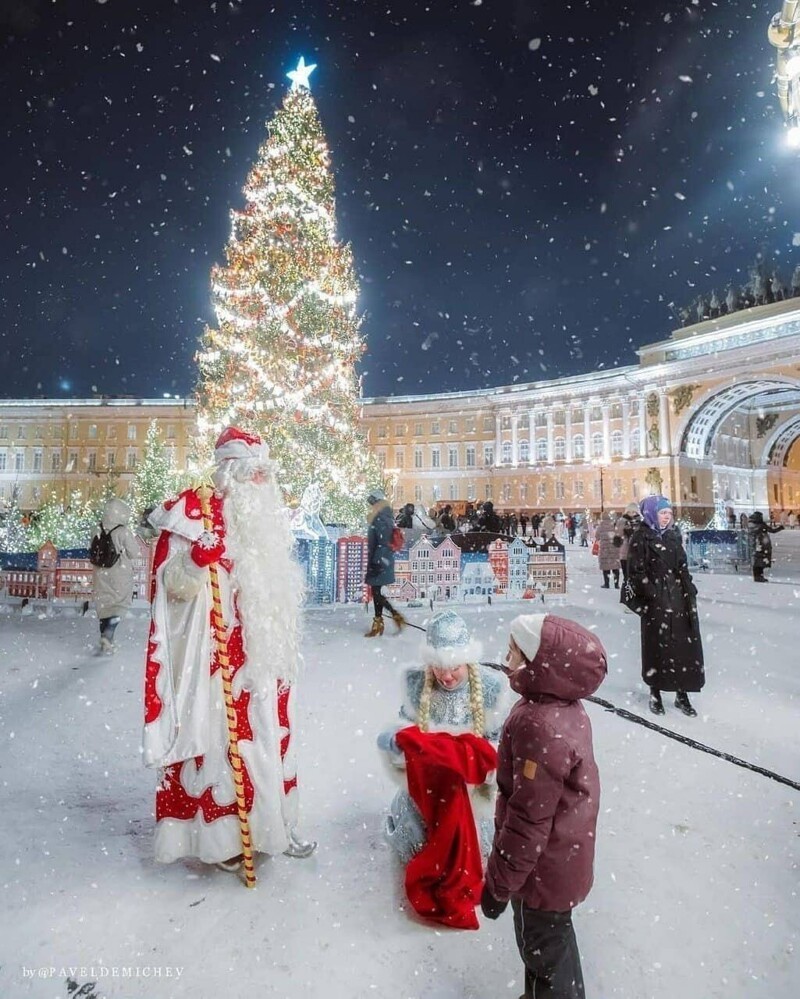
[656, 705]
[682, 703]
[107, 647]
[376, 629]
[399, 620]
[232, 865]
[298, 848]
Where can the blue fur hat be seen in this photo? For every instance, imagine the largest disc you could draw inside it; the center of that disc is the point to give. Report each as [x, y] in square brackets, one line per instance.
[448, 641]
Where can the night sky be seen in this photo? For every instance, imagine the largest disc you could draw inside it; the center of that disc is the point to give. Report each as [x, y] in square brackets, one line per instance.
[530, 188]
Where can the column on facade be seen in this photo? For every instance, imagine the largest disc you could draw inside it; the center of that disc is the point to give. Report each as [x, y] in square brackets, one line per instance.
[587, 430]
[643, 425]
[514, 439]
[551, 447]
[531, 436]
[606, 431]
[626, 428]
[663, 422]
[498, 438]
[568, 432]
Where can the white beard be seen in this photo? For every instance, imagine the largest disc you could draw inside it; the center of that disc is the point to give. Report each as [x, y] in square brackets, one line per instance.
[268, 583]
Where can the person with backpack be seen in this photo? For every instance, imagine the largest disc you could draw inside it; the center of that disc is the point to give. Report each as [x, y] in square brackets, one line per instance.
[112, 552]
[380, 560]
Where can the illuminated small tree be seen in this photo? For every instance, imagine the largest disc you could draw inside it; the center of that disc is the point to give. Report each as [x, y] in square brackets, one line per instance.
[281, 359]
[155, 475]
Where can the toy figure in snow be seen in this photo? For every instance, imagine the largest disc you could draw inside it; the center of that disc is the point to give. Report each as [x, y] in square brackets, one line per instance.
[441, 821]
[225, 614]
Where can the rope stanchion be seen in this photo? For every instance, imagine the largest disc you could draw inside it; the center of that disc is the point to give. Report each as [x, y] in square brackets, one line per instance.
[204, 493]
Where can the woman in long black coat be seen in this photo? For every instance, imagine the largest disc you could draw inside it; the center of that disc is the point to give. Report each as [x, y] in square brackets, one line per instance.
[380, 559]
[761, 545]
[672, 652]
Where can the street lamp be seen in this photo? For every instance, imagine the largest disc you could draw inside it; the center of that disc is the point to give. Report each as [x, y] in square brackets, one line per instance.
[600, 465]
[784, 35]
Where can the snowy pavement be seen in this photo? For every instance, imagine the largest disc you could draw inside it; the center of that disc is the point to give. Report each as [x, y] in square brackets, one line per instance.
[696, 877]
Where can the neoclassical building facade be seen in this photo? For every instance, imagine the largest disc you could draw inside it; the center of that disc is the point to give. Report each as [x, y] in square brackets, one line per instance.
[710, 417]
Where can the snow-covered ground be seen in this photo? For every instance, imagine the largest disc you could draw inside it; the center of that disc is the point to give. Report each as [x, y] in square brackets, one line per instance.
[696, 887]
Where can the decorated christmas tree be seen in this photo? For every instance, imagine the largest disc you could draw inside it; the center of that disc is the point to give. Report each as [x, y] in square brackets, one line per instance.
[70, 526]
[155, 476]
[281, 359]
[13, 529]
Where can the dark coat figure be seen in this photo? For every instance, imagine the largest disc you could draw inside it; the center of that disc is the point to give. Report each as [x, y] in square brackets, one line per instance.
[380, 557]
[672, 652]
[489, 521]
[405, 518]
[761, 544]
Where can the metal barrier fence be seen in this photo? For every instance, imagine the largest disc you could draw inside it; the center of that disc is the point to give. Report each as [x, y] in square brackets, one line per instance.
[718, 551]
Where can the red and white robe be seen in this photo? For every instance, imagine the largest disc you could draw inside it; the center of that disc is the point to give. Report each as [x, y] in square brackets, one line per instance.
[186, 732]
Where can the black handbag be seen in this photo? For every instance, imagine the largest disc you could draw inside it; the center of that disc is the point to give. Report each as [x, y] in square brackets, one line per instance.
[631, 599]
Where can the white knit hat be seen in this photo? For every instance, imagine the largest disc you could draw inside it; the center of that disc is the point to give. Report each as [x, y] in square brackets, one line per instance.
[526, 630]
[448, 642]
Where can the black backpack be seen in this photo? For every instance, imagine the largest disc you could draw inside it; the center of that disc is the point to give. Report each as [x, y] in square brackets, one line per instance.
[102, 551]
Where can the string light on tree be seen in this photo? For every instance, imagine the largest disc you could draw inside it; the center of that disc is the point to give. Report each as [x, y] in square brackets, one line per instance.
[281, 358]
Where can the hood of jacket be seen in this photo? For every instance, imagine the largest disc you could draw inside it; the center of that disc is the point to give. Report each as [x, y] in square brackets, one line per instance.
[569, 664]
[115, 514]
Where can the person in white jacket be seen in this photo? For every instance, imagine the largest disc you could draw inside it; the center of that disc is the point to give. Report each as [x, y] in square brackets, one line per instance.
[112, 586]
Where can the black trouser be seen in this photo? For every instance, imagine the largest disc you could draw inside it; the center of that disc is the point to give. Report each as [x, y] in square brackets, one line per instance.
[623, 564]
[108, 625]
[758, 573]
[616, 577]
[380, 601]
[549, 951]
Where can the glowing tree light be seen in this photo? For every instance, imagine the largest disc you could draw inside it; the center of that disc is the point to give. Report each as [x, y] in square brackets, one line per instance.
[281, 358]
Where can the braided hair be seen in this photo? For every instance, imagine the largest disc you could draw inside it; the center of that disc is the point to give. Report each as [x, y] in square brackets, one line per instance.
[475, 700]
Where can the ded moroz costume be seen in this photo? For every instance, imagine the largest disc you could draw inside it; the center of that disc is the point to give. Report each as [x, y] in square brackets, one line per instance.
[186, 732]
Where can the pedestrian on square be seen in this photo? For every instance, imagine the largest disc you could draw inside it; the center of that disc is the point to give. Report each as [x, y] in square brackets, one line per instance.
[608, 554]
[672, 650]
[623, 532]
[380, 560]
[548, 797]
[112, 553]
[761, 545]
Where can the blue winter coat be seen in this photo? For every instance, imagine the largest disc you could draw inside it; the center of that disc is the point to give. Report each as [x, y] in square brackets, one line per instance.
[380, 561]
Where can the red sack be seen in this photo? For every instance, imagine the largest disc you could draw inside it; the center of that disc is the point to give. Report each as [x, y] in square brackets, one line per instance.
[596, 547]
[398, 540]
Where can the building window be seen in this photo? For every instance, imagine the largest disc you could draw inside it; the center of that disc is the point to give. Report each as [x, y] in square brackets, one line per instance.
[92, 461]
[452, 457]
[616, 411]
[73, 461]
[469, 424]
[111, 432]
[399, 430]
[559, 490]
[488, 454]
[523, 492]
[635, 442]
[401, 493]
[616, 443]
[55, 461]
[506, 452]
[417, 457]
[597, 445]
[130, 461]
[541, 449]
[540, 419]
[578, 450]
[131, 431]
[381, 455]
[488, 423]
[559, 418]
[505, 423]
[488, 491]
[19, 461]
[3, 460]
[470, 455]
[453, 491]
[3, 433]
[452, 427]
[506, 492]
[597, 413]
[577, 415]
[37, 460]
[73, 431]
[417, 494]
[523, 422]
[171, 431]
[524, 451]
[436, 458]
[437, 493]
[634, 410]
[579, 488]
[595, 488]
[399, 458]
[383, 431]
[436, 427]
[541, 490]
[418, 430]
[36, 493]
[471, 494]
[560, 448]
[93, 431]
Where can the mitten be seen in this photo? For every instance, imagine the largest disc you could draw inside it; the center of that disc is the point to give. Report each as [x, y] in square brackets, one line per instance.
[490, 906]
[208, 548]
[387, 742]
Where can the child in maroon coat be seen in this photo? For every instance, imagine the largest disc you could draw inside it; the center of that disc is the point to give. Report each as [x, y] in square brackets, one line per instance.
[548, 798]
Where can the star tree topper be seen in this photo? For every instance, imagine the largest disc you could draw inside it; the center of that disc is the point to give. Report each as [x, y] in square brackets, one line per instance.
[299, 76]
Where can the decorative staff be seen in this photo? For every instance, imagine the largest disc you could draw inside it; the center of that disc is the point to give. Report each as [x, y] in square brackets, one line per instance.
[204, 493]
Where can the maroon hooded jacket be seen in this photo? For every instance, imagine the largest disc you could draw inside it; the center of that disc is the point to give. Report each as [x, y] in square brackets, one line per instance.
[547, 780]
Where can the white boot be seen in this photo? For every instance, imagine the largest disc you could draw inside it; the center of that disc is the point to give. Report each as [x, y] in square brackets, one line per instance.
[107, 647]
[299, 848]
